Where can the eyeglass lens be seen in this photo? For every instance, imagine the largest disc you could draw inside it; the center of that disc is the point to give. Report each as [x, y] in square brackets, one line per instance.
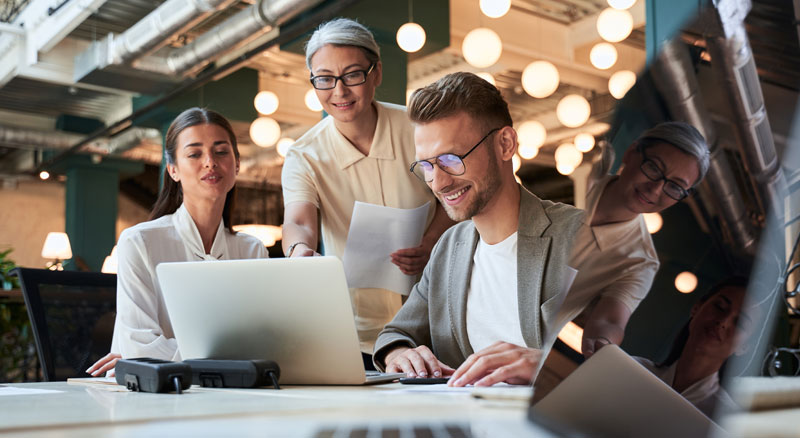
[672, 189]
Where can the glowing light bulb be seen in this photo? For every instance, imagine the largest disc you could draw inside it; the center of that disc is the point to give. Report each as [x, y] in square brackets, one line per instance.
[573, 110]
[43, 175]
[482, 47]
[266, 102]
[584, 142]
[653, 221]
[486, 76]
[620, 82]
[283, 145]
[531, 136]
[495, 8]
[312, 101]
[686, 282]
[516, 161]
[603, 56]
[411, 37]
[621, 4]
[568, 155]
[265, 131]
[540, 79]
[614, 25]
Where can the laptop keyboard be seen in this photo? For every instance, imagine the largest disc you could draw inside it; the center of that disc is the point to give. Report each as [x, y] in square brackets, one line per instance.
[450, 430]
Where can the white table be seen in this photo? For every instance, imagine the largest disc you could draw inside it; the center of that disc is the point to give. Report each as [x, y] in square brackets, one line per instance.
[111, 411]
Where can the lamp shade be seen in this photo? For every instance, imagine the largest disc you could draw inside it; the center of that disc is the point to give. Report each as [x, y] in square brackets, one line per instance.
[482, 47]
[495, 8]
[603, 56]
[265, 131]
[614, 25]
[56, 246]
[266, 102]
[267, 234]
[312, 101]
[540, 79]
[620, 82]
[573, 110]
[411, 37]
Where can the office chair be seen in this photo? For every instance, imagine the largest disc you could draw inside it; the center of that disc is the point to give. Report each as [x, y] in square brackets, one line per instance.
[72, 315]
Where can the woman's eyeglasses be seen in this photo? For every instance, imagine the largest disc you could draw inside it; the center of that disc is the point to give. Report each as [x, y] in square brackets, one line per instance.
[651, 170]
[350, 79]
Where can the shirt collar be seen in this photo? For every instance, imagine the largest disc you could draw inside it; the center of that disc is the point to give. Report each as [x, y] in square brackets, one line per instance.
[187, 229]
[381, 148]
[697, 391]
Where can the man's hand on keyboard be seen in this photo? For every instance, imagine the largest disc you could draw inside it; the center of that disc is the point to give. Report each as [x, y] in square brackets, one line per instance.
[499, 362]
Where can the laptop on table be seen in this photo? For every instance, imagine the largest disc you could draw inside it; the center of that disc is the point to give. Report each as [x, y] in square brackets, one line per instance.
[296, 312]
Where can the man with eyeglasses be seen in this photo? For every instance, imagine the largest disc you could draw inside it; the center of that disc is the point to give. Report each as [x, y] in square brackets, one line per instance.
[493, 279]
[358, 153]
[614, 254]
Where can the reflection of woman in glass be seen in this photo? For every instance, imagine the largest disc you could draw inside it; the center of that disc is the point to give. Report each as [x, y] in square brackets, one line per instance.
[717, 329]
[190, 221]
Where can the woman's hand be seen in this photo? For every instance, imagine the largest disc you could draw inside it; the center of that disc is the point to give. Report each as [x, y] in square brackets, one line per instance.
[106, 363]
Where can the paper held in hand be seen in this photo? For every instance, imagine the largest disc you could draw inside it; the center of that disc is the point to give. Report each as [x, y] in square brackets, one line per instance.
[375, 233]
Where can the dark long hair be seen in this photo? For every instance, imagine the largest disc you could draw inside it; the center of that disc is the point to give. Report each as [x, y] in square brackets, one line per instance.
[683, 335]
[171, 195]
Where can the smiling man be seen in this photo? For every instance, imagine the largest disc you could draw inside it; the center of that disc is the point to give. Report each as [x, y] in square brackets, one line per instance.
[493, 280]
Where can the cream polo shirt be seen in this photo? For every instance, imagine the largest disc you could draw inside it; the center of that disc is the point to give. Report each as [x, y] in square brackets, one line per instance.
[614, 260]
[325, 169]
[142, 327]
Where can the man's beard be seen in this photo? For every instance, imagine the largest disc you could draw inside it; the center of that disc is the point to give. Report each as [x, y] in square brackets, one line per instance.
[490, 183]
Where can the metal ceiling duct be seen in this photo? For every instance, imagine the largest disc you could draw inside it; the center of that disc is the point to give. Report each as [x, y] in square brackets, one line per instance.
[732, 55]
[236, 31]
[674, 77]
[21, 138]
[148, 34]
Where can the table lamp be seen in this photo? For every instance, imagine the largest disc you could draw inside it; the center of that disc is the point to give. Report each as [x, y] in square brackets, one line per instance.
[56, 247]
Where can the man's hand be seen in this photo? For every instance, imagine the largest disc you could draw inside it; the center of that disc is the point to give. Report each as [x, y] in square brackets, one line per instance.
[590, 346]
[106, 363]
[413, 260]
[416, 362]
[499, 362]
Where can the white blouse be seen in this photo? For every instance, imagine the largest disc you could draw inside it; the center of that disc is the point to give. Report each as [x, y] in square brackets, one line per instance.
[142, 327]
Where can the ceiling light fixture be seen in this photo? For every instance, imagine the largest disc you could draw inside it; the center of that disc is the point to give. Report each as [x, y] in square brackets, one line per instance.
[584, 142]
[614, 25]
[411, 37]
[312, 101]
[495, 8]
[620, 82]
[482, 47]
[540, 79]
[603, 56]
[265, 131]
[266, 102]
[573, 110]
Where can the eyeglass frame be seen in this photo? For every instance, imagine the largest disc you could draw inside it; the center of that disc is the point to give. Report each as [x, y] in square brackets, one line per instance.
[460, 158]
[662, 177]
[336, 79]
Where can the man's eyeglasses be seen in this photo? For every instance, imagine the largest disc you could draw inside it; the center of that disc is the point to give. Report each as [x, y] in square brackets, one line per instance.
[651, 170]
[350, 79]
[450, 163]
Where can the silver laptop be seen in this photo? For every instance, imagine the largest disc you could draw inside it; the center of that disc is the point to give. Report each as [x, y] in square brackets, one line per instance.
[296, 312]
[613, 395]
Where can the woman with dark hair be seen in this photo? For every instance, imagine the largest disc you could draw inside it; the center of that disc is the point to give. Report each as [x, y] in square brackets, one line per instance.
[718, 326]
[190, 221]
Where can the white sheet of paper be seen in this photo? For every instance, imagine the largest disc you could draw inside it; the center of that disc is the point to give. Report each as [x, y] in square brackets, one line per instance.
[375, 233]
[12, 390]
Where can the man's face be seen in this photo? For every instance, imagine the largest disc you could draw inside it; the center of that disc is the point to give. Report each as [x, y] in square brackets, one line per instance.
[642, 194]
[466, 195]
